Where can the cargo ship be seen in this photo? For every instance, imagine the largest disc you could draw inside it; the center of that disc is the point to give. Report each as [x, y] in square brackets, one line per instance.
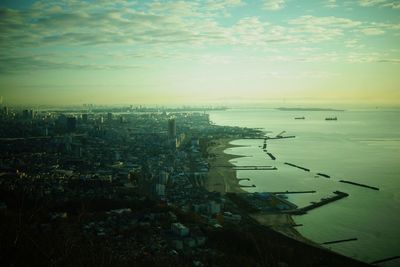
[331, 119]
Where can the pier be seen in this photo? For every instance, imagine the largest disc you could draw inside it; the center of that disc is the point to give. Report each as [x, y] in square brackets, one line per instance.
[294, 192]
[339, 241]
[255, 168]
[357, 184]
[243, 166]
[280, 137]
[323, 175]
[247, 186]
[271, 156]
[297, 166]
[324, 201]
[385, 260]
[297, 225]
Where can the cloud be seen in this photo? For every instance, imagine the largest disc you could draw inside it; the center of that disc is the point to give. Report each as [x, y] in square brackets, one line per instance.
[380, 3]
[395, 61]
[372, 31]
[331, 3]
[273, 4]
[13, 64]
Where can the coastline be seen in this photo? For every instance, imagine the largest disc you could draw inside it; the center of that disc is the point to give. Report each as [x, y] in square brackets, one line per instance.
[224, 180]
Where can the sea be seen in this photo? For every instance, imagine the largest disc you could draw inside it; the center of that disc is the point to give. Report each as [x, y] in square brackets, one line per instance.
[362, 146]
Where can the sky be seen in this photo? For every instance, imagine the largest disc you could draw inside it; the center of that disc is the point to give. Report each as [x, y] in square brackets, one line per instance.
[199, 52]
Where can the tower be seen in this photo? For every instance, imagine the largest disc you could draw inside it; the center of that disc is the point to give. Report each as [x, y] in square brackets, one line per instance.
[172, 128]
[71, 124]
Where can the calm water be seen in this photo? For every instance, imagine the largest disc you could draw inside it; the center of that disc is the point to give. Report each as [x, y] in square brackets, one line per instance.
[362, 146]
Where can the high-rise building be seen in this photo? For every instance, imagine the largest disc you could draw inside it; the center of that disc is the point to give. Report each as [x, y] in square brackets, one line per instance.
[172, 128]
[71, 124]
[109, 116]
[84, 117]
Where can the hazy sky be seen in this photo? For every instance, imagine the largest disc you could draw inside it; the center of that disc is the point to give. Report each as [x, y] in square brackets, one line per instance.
[204, 51]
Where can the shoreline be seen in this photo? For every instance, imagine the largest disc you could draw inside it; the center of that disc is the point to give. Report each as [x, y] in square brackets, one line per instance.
[224, 180]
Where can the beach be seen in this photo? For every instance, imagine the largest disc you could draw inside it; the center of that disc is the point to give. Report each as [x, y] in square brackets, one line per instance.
[224, 180]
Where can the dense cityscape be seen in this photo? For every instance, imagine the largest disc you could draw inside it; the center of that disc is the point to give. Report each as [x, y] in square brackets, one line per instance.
[116, 186]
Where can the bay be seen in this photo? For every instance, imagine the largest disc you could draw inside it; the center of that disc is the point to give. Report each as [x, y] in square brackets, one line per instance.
[362, 146]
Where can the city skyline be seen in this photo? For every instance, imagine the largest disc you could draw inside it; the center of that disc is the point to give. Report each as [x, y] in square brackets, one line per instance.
[200, 52]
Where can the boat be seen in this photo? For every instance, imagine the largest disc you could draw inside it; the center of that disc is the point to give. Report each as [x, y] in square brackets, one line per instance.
[300, 118]
[331, 119]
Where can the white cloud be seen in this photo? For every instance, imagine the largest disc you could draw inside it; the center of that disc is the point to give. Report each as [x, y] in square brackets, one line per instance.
[370, 2]
[380, 3]
[273, 4]
[331, 3]
[372, 31]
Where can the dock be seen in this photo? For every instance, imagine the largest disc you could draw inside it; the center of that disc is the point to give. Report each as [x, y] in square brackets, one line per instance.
[243, 166]
[280, 137]
[271, 156]
[385, 260]
[294, 192]
[357, 184]
[339, 241]
[247, 186]
[324, 201]
[255, 168]
[323, 175]
[297, 166]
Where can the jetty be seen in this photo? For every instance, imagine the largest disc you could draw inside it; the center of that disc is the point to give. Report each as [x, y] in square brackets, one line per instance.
[255, 168]
[297, 166]
[247, 186]
[271, 156]
[323, 175]
[357, 184]
[294, 192]
[324, 201]
[339, 241]
[385, 260]
[243, 166]
[280, 137]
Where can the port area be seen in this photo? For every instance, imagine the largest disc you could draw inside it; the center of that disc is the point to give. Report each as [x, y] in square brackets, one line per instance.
[261, 202]
[338, 195]
[269, 202]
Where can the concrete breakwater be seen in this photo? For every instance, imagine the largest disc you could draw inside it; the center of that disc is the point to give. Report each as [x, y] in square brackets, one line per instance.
[357, 184]
[297, 166]
[324, 201]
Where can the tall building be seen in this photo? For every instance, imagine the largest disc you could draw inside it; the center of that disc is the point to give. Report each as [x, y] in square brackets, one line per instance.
[109, 116]
[71, 124]
[172, 128]
[84, 117]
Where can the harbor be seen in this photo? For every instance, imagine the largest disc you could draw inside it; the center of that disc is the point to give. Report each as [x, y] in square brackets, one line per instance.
[324, 201]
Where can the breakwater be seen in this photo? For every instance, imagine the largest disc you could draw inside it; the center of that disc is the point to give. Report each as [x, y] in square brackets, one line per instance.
[324, 201]
[357, 184]
[297, 166]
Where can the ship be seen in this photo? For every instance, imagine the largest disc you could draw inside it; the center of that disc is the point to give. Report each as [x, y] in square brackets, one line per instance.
[331, 119]
[300, 118]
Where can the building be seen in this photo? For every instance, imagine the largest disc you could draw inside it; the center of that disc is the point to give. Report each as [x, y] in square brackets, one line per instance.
[84, 117]
[160, 190]
[71, 124]
[172, 128]
[109, 116]
[179, 229]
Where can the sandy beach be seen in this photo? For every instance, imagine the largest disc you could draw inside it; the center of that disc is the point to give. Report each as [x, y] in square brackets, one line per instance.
[224, 180]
